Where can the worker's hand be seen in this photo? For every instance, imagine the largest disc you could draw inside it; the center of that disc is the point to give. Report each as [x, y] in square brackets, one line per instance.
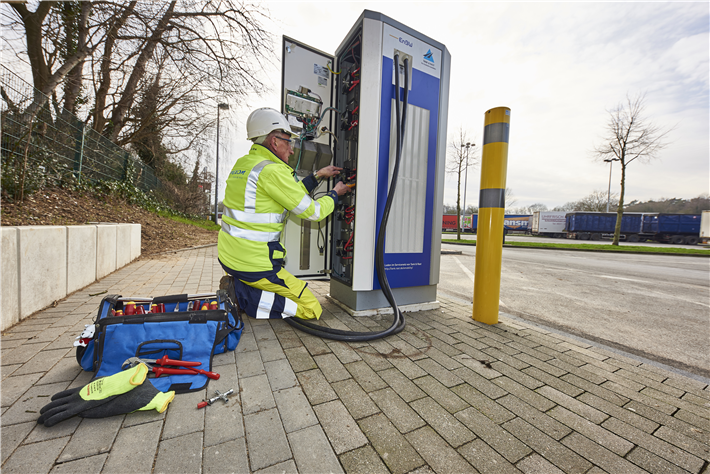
[328, 171]
[341, 188]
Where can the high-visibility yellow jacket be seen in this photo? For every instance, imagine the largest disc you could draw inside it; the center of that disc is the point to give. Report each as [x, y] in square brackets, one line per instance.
[261, 191]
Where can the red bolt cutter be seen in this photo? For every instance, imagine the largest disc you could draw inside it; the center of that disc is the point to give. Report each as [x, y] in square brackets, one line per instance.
[190, 366]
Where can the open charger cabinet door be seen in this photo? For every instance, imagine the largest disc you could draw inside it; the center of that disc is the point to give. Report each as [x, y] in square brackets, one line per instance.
[306, 91]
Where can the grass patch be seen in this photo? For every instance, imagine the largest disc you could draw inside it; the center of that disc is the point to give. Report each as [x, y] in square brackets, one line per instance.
[205, 224]
[604, 248]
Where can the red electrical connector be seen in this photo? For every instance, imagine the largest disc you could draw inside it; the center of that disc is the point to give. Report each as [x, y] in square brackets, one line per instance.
[349, 215]
[349, 243]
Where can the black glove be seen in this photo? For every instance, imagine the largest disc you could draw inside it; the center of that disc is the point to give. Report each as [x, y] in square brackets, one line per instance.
[65, 405]
[74, 401]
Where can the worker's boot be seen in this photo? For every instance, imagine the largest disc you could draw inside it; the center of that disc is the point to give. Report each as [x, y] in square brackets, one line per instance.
[227, 283]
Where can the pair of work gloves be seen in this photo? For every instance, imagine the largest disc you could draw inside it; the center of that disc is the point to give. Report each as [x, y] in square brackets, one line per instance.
[116, 394]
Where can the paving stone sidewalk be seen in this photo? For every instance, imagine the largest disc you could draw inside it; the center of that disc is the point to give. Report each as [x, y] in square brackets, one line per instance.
[446, 395]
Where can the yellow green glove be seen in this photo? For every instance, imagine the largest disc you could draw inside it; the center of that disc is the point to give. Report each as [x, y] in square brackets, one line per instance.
[116, 384]
[160, 402]
[143, 398]
[92, 396]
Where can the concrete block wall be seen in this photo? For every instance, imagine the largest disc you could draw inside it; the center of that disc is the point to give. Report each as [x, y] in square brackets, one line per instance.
[9, 275]
[42, 264]
[105, 250]
[42, 256]
[81, 256]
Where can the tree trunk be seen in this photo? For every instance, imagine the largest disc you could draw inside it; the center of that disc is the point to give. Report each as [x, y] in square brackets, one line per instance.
[53, 81]
[43, 80]
[118, 117]
[620, 208]
[33, 34]
[458, 207]
[72, 86]
[105, 81]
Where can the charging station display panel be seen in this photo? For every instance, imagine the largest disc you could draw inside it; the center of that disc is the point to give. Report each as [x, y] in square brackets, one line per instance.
[409, 234]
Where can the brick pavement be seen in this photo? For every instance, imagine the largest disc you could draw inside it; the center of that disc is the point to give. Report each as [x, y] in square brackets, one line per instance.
[446, 395]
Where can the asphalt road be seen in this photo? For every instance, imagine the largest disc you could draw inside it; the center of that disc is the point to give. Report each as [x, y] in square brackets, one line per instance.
[653, 306]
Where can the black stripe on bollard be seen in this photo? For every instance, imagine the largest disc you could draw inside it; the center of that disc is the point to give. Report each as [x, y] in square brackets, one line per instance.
[492, 197]
[496, 132]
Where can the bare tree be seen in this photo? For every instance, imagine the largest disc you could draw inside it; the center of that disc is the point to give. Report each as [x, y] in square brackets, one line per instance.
[529, 209]
[207, 52]
[510, 199]
[449, 209]
[461, 158]
[57, 39]
[471, 209]
[567, 207]
[594, 202]
[209, 49]
[629, 136]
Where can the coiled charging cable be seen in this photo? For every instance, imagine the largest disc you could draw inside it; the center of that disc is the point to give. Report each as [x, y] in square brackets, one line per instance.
[399, 322]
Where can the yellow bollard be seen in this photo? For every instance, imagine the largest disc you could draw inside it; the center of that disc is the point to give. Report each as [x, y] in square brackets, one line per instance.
[491, 213]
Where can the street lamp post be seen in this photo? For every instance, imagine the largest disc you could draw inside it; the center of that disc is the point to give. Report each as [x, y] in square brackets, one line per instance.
[608, 191]
[465, 183]
[216, 177]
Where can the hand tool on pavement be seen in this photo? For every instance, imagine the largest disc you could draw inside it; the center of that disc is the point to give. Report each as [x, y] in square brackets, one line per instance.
[220, 396]
[190, 367]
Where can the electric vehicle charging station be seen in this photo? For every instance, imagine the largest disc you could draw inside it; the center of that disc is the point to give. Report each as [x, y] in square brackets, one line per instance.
[359, 81]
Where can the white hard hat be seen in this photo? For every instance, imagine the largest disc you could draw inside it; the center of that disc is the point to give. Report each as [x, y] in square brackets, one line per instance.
[264, 121]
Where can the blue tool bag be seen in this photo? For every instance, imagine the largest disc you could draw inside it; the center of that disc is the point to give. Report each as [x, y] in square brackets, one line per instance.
[167, 326]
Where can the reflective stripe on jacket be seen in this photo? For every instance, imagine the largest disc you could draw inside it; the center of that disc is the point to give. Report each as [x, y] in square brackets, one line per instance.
[261, 191]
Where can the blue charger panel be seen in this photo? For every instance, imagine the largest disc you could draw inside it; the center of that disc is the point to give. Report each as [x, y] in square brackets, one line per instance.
[408, 269]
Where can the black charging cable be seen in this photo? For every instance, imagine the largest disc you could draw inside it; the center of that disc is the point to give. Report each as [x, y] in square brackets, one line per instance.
[399, 322]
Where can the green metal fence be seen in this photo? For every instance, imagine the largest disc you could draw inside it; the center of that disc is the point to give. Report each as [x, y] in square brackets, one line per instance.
[53, 147]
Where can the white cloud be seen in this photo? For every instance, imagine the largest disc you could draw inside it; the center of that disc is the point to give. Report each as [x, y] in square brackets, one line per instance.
[559, 67]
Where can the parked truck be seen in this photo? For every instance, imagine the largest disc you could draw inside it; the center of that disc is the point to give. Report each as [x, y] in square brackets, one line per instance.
[516, 222]
[596, 225]
[548, 223]
[448, 223]
[705, 227]
[469, 223]
[671, 228]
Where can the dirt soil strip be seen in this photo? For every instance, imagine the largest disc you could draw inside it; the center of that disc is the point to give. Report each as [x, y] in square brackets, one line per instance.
[63, 207]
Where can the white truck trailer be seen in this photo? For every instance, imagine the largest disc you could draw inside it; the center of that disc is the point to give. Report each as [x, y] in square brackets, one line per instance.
[705, 227]
[549, 223]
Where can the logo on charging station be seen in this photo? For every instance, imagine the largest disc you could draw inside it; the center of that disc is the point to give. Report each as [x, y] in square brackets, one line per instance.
[405, 42]
[429, 56]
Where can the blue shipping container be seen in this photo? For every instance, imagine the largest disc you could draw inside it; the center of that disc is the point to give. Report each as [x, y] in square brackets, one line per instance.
[601, 222]
[677, 224]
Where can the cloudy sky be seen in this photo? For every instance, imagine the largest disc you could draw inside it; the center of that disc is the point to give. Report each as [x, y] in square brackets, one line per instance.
[559, 67]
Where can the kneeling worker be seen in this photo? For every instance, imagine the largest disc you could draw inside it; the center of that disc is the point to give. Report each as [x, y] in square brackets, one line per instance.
[261, 190]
